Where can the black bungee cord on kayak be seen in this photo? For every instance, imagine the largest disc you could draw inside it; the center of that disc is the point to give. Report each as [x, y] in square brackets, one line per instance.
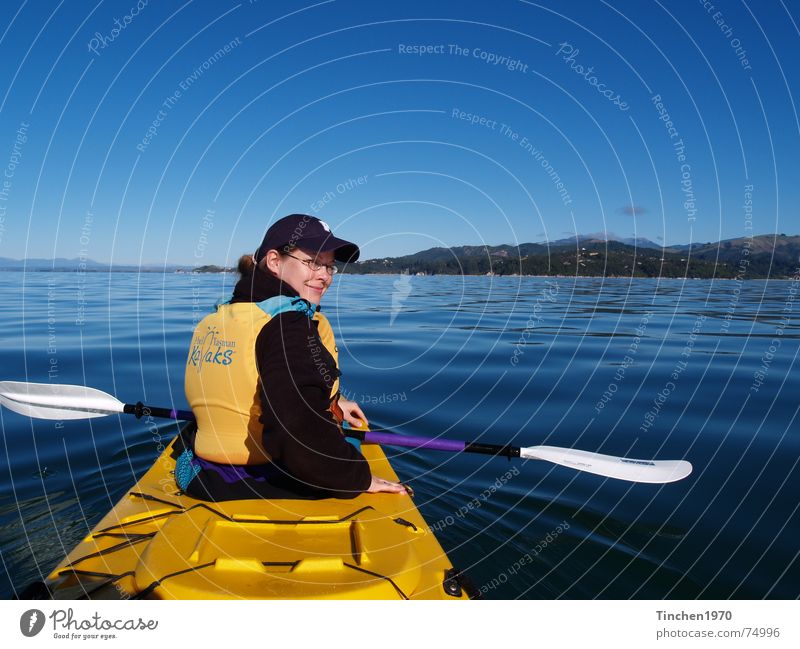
[133, 539]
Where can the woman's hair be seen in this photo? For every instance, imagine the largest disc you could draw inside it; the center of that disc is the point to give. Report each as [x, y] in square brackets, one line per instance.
[247, 263]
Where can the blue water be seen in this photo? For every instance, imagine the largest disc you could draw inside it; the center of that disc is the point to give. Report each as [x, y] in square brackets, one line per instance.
[525, 361]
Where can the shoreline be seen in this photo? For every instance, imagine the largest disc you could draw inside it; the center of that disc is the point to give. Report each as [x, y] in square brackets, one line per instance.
[158, 271]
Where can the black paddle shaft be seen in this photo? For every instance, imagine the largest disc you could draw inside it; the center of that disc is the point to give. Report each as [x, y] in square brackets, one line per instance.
[141, 410]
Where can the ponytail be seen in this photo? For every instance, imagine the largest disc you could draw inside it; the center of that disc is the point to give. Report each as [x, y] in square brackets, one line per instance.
[246, 264]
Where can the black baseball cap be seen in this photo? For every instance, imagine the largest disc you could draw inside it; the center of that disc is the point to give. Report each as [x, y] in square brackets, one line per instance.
[304, 231]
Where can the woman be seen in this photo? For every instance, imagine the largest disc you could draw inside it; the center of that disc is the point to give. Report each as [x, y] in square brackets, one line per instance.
[262, 380]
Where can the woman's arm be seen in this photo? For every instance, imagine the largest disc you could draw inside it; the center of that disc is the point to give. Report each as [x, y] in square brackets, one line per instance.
[296, 374]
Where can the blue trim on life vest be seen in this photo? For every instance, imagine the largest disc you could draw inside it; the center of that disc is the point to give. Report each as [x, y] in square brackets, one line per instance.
[186, 469]
[222, 302]
[352, 440]
[278, 304]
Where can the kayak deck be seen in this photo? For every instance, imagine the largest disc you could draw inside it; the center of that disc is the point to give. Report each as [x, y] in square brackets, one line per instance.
[159, 543]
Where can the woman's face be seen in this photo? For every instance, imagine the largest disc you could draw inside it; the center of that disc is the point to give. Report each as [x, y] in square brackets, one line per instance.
[309, 284]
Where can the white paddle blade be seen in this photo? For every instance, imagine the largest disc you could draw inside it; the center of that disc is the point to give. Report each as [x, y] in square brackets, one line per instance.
[649, 471]
[55, 401]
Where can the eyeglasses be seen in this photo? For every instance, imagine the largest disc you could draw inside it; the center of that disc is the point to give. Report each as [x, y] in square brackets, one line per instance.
[315, 265]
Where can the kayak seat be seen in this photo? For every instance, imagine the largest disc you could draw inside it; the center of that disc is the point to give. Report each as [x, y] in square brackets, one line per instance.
[199, 554]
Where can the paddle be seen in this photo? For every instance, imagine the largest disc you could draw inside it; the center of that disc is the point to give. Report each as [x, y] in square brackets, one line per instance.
[54, 401]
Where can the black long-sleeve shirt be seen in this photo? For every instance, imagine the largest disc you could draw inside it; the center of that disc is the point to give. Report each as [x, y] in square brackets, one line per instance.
[297, 373]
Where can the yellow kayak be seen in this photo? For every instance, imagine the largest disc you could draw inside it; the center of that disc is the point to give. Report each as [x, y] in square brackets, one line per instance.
[158, 543]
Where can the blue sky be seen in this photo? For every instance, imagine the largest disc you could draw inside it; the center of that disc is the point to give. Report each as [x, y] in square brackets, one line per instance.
[136, 131]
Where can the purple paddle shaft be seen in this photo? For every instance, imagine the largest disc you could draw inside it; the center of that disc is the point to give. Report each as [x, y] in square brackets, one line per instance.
[454, 446]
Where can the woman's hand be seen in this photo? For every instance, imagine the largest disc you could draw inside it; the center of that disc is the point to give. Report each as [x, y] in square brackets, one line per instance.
[352, 413]
[380, 485]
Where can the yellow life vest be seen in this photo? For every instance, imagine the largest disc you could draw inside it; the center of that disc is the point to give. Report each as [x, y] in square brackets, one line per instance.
[221, 378]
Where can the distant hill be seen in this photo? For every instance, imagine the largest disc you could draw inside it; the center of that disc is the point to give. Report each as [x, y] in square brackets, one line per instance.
[770, 255]
[58, 263]
[61, 264]
[589, 255]
[774, 256]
